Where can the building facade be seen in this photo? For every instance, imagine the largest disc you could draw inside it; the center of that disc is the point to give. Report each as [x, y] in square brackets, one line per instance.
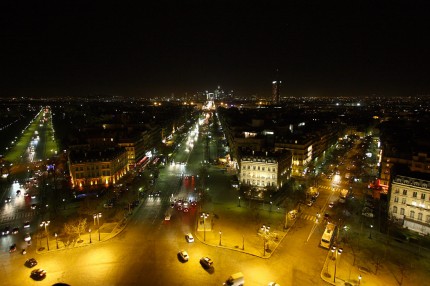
[263, 170]
[92, 168]
[410, 202]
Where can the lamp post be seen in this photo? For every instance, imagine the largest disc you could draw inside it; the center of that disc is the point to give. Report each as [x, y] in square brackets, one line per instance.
[239, 202]
[204, 216]
[359, 279]
[220, 235]
[56, 240]
[89, 231]
[45, 224]
[370, 233]
[270, 206]
[64, 203]
[98, 216]
[336, 253]
[265, 231]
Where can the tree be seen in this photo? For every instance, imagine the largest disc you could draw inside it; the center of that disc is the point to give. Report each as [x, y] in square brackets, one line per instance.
[73, 230]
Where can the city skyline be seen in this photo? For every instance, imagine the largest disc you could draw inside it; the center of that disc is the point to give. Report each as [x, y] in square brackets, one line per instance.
[159, 50]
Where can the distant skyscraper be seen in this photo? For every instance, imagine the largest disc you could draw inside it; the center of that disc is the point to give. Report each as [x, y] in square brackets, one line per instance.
[276, 85]
[276, 98]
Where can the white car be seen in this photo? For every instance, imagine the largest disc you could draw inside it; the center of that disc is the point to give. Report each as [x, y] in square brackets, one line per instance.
[27, 237]
[183, 255]
[273, 284]
[189, 237]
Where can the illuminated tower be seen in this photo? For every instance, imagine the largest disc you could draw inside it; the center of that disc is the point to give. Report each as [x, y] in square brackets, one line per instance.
[276, 85]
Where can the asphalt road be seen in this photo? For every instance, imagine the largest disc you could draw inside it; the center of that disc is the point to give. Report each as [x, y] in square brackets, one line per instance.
[145, 252]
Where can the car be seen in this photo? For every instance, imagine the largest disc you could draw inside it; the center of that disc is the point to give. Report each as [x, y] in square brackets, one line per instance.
[183, 255]
[38, 274]
[26, 224]
[12, 248]
[172, 205]
[189, 237]
[370, 215]
[206, 262]
[33, 206]
[273, 284]
[179, 208]
[5, 230]
[30, 262]
[331, 205]
[310, 203]
[15, 230]
[185, 210]
[18, 193]
[33, 196]
[167, 217]
[8, 200]
[27, 237]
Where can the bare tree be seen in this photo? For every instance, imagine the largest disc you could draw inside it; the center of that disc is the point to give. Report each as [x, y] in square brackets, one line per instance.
[74, 229]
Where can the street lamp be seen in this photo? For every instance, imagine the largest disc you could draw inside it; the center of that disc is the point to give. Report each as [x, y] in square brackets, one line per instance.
[270, 206]
[89, 231]
[56, 240]
[98, 216]
[370, 234]
[204, 216]
[336, 252]
[359, 279]
[45, 224]
[239, 202]
[220, 234]
[64, 203]
[265, 230]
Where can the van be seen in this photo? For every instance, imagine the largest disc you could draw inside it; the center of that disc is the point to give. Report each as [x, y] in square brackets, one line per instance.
[236, 279]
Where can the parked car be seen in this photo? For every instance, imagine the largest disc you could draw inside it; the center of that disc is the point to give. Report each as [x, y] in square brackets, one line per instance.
[12, 248]
[206, 262]
[189, 237]
[26, 224]
[15, 230]
[183, 255]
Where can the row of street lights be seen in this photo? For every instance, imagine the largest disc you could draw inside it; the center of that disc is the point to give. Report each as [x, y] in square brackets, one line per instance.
[95, 216]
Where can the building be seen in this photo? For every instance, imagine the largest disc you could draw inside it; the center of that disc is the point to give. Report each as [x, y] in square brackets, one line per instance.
[265, 170]
[301, 150]
[97, 167]
[410, 201]
[276, 96]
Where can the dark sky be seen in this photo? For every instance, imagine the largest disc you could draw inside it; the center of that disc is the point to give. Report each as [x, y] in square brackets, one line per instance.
[342, 48]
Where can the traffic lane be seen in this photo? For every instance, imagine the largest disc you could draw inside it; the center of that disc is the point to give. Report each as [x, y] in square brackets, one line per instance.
[305, 259]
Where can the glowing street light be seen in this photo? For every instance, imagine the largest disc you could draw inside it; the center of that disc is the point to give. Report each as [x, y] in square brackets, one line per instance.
[45, 224]
[220, 235]
[97, 216]
[204, 216]
[336, 252]
[56, 240]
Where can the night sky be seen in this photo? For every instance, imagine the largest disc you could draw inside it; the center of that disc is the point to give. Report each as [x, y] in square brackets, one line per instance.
[345, 48]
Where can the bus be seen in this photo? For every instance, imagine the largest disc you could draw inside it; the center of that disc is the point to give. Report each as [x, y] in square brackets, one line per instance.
[328, 236]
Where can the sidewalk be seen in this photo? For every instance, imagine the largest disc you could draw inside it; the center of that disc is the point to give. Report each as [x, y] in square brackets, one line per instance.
[106, 232]
[250, 229]
[368, 260]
